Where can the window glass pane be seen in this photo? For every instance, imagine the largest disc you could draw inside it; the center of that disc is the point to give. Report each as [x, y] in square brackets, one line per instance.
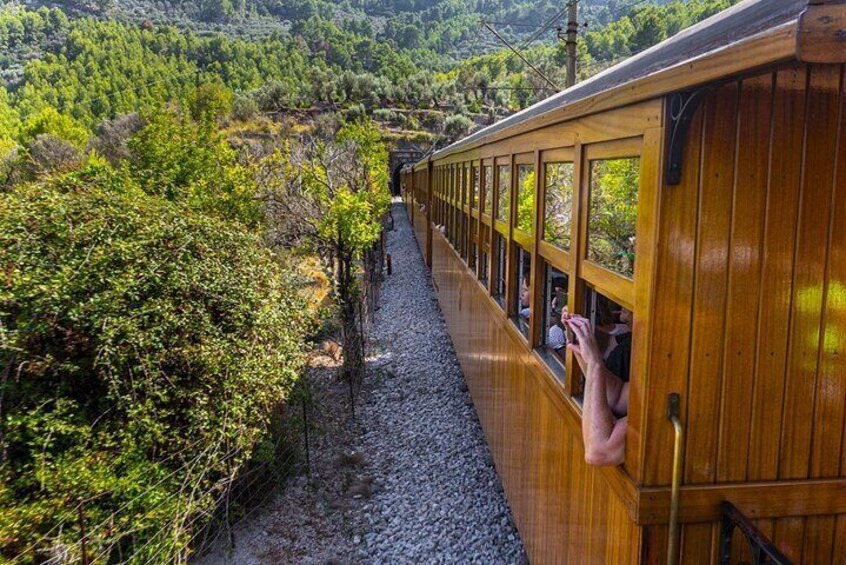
[612, 325]
[554, 336]
[522, 285]
[503, 209]
[475, 177]
[558, 209]
[488, 190]
[612, 214]
[500, 252]
[525, 197]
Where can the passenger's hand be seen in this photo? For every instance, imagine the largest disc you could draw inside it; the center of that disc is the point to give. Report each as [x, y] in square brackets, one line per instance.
[586, 350]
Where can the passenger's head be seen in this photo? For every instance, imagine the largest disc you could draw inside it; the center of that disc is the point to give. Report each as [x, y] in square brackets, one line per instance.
[626, 316]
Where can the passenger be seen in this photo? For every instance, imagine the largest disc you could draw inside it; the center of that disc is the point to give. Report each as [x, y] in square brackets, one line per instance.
[606, 399]
[525, 299]
[618, 359]
[556, 336]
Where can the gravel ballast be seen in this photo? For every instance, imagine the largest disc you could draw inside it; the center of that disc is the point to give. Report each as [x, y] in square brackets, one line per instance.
[421, 487]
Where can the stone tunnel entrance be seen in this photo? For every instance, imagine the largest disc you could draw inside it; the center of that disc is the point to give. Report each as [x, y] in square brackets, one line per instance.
[399, 158]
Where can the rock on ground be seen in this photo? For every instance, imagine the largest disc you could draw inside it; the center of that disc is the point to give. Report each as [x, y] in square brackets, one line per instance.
[411, 480]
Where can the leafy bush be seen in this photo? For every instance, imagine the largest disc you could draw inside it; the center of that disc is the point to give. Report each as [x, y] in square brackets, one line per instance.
[143, 347]
[189, 162]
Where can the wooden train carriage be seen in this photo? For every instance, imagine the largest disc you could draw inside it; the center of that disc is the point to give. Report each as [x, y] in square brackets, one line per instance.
[701, 186]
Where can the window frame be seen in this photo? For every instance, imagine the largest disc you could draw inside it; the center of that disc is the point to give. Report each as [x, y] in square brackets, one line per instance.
[500, 225]
[615, 286]
[546, 249]
[525, 239]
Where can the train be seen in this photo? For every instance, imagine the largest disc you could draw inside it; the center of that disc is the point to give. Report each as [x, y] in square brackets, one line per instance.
[691, 202]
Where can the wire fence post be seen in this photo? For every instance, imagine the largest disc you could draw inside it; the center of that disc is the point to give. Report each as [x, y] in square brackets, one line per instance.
[83, 541]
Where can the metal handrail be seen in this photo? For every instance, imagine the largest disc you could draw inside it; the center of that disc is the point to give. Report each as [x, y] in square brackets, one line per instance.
[673, 415]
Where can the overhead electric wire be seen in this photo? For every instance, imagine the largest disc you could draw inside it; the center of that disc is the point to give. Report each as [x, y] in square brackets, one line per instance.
[522, 58]
[558, 15]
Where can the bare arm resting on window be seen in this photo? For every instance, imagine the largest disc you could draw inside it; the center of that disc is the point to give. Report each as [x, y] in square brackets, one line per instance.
[605, 397]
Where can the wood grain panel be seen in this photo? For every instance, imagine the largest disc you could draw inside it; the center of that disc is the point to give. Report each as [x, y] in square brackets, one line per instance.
[654, 547]
[808, 290]
[777, 273]
[819, 541]
[672, 314]
[831, 385]
[647, 240]
[789, 536]
[754, 119]
[709, 297]
[701, 503]
[839, 550]
[696, 547]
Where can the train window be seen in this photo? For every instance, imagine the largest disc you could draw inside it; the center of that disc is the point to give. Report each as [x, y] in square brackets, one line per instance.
[503, 208]
[554, 337]
[558, 205]
[488, 204]
[474, 175]
[500, 252]
[484, 248]
[525, 198]
[612, 213]
[612, 325]
[521, 285]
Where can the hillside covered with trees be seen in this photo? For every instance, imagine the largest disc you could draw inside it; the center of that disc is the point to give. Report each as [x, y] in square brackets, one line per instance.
[92, 68]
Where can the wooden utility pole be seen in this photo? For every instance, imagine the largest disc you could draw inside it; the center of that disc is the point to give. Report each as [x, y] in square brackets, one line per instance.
[572, 32]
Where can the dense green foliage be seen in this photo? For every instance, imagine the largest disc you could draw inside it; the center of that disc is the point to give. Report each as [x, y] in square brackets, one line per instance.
[92, 70]
[144, 346]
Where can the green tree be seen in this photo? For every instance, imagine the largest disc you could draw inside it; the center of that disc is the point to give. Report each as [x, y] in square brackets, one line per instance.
[189, 162]
[212, 101]
[49, 121]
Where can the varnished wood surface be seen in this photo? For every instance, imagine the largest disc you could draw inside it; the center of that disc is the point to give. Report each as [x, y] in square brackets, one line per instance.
[740, 306]
[747, 319]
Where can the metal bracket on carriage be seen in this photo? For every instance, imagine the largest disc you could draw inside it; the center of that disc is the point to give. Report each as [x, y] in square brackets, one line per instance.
[681, 106]
[821, 37]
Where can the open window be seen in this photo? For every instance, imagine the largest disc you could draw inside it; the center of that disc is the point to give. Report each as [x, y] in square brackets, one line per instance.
[484, 252]
[610, 182]
[521, 285]
[612, 323]
[499, 266]
[553, 339]
[473, 248]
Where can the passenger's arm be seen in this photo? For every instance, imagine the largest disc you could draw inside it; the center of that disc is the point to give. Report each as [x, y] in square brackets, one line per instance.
[604, 435]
